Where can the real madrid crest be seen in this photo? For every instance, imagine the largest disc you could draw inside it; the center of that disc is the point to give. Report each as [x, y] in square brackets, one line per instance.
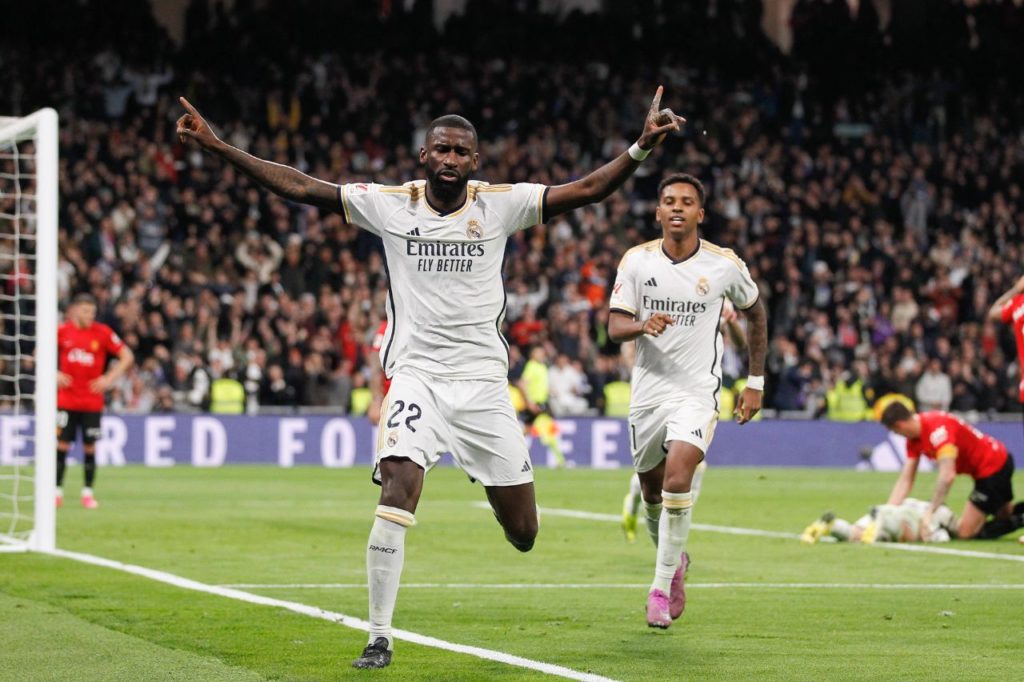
[703, 286]
[474, 230]
[392, 439]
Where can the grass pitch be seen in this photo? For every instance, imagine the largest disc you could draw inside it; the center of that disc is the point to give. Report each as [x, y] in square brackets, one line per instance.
[746, 617]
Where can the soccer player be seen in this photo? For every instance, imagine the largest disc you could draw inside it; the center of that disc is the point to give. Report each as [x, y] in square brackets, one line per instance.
[82, 347]
[957, 448]
[668, 295]
[444, 242]
[1009, 309]
[733, 332]
[886, 523]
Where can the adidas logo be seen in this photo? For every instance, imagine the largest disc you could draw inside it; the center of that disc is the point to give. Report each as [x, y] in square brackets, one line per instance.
[526, 467]
[415, 232]
[651, 282]
[698, 433]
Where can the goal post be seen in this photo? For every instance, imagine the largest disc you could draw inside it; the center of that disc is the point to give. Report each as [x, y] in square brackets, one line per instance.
[28, 330]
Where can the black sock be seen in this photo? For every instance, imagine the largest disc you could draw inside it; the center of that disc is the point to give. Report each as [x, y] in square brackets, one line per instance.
[90, 470]
[1018, 508]
[1000, 527]
[62, 458]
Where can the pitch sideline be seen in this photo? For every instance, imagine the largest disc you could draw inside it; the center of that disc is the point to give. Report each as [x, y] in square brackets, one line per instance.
[332, 616]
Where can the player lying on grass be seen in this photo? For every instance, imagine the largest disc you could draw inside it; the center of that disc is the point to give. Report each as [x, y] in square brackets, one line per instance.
[886, 523]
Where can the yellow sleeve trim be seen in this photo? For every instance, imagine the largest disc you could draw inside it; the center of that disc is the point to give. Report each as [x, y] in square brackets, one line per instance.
[947, 451]
[723, 252]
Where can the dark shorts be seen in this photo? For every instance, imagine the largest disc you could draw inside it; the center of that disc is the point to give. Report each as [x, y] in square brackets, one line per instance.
[70, 421]
[991, 493]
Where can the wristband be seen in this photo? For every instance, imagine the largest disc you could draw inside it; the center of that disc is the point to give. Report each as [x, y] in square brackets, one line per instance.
[638, 154]
[756, 383]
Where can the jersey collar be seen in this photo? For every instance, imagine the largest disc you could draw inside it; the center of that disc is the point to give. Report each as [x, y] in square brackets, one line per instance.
[661, 247]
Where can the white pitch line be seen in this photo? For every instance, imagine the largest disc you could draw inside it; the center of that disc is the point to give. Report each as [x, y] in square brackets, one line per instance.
[636, 586]
[332, 616]
[733, 530]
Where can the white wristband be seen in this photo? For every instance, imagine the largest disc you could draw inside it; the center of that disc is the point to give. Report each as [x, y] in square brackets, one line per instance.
[638, 154]
[756, 383]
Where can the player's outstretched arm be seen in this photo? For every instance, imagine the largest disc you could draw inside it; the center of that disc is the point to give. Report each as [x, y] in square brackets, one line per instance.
[905, 483]
[749, 402]
[286, 181]
[995, 313]
[597, 185]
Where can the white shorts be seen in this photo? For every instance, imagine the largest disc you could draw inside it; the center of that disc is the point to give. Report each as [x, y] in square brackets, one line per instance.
[690, 420]
[424, 417]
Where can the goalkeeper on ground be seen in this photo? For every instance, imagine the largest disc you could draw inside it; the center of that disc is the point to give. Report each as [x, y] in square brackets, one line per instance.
[886, 523]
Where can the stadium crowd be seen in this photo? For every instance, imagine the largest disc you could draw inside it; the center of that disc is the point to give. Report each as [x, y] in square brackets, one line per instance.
[880, 221]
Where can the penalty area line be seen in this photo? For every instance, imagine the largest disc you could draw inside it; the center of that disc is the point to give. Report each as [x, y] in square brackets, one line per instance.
[331, 616]
[733, 530]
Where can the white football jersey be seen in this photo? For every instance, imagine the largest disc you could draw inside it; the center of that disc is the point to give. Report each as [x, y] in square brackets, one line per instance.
[446, 297]
[687, 359]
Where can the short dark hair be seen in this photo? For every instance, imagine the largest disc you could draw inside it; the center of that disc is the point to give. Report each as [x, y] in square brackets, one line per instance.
[83, 297]
[895, 412]
[451, 121]
[684, 178]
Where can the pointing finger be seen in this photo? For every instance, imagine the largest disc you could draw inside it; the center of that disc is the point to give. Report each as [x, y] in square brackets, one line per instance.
[656, 103]
[191, 109]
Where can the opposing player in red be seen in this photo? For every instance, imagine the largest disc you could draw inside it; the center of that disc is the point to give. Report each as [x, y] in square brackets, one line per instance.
[957, 448]
[82, 348]
[1009, 309]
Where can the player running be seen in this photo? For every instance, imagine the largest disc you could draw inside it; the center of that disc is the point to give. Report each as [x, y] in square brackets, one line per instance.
[1009, 309]
[886, 523]
[957, 448]
[82, 348]
[669, 295]
[444, 243]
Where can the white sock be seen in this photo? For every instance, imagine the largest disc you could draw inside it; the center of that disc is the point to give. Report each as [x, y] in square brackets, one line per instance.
[652, 517]
[841, 530]
[698, 478]
[674, 530]
[385, 555]
[60, 491]
[86, 492]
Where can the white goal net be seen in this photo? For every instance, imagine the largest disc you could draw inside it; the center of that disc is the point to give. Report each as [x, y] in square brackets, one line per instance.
[28, 330]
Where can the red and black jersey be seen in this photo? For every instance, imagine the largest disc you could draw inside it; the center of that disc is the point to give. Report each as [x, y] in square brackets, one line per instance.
[82, 355]
[942, 435]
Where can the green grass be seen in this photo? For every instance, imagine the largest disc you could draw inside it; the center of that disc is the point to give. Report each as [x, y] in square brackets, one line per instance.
[61, 619]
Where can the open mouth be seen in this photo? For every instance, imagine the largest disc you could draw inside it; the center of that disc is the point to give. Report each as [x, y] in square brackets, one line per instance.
[448, 176]
[677, 221]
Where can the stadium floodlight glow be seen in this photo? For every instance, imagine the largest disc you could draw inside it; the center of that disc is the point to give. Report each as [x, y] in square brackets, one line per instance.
[28, 330]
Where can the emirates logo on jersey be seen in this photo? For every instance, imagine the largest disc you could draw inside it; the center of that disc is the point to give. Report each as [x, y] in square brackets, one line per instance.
[474, 230]
[81, 357]
[703, 286]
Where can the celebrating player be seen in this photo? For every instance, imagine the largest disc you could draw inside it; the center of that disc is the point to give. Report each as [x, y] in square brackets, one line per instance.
[886, 523]
[83, 345]
[957, 448]
[444, 241]
[669, 295]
